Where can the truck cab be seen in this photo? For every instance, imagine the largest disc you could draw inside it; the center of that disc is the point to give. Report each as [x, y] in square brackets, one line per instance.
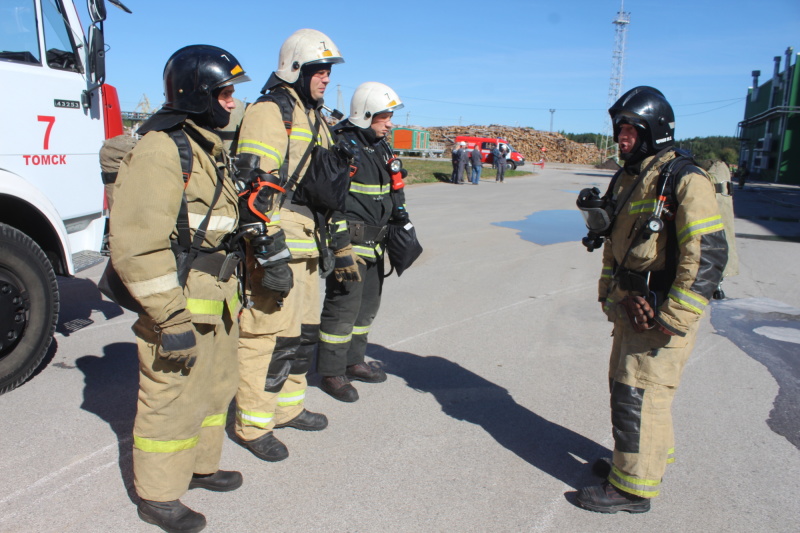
[486, 144]
[57, 112]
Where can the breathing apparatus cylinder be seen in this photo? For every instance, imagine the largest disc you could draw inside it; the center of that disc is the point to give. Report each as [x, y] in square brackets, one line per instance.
[598, 213]
[396, 172]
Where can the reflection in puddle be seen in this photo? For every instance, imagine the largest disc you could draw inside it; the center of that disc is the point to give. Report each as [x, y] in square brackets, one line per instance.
[549, 227]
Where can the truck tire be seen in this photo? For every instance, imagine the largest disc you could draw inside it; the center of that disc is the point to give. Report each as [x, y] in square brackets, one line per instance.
[511, 165]
[29, 305]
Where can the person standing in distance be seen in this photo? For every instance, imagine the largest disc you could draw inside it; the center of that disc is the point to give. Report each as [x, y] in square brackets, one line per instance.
[353, 293]
[660, 270]
[456, 159]
[280, 324]
[477, 164]
[463, 157]
[187, 334]
[500, 153]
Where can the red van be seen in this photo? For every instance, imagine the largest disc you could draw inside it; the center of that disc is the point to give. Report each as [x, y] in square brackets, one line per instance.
[486, 144]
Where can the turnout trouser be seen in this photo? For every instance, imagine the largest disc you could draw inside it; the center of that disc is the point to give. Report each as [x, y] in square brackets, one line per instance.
[180, 419]
[347, 314]
[644, 373]
[276, 345]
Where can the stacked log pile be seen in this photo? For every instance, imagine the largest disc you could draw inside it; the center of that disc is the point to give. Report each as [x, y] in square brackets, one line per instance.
[532, 144]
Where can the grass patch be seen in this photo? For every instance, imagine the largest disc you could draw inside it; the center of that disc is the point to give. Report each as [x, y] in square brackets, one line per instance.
[432, 170]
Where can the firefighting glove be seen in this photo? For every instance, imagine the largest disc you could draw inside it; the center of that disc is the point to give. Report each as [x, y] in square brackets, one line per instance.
[345, 267]
[273, 255]
[639, 313]
[177, 341]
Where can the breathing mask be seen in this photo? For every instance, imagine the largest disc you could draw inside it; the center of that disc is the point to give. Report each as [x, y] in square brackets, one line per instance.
[598, 213]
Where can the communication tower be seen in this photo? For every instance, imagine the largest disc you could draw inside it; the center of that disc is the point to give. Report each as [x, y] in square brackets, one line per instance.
[617, 68]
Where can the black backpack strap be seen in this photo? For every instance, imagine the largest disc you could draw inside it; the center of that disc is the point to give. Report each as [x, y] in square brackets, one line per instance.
[285, 103]
[181, 140]
[670, 175]
[191, 247]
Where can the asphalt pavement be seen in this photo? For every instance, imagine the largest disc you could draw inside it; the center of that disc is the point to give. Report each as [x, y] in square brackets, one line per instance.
[496, 402]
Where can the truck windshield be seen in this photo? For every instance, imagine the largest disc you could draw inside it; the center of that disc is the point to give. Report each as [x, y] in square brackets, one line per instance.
[19, 34]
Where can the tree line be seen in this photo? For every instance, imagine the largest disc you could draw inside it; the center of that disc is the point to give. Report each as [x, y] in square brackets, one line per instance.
[719, 147]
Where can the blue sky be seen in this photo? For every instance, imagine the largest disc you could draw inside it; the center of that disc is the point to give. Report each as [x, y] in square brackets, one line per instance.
[473, 62]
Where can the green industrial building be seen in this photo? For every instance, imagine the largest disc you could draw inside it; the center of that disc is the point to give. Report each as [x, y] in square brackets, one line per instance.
[770, 131]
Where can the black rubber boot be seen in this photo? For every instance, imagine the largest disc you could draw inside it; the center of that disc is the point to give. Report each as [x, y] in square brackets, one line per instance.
[307, 421]
[606, 498]
[172, 516]
[268, 448]
[340, 388]
[219, 481]
[366, 372]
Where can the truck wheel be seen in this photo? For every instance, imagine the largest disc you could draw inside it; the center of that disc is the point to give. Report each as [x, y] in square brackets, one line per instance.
[511, 165]
[28, 307]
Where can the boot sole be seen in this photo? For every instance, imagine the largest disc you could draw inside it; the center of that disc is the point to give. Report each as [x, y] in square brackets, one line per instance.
[614, 509]
[365, 380]
[302, 428]
[150, 520]
[214, 488]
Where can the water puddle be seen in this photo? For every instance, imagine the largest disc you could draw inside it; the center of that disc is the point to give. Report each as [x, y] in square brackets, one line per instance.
[770, 219]
[769, 332]
[549, 227]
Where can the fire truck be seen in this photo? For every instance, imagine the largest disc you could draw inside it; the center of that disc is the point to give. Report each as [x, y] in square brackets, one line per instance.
[514, 159]
[57, 110]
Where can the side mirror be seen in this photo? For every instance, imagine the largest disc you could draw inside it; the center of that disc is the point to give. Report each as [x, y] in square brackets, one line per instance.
[97, 56]
[97, 10]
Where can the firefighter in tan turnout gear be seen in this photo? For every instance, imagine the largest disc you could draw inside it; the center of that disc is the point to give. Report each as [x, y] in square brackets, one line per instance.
[664, 254]
[187, 333]
[281, 136]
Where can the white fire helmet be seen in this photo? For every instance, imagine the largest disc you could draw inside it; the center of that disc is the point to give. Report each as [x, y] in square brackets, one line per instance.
[305, 47]
[372, 98]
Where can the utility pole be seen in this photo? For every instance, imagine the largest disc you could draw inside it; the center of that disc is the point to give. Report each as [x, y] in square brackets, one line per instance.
[552, 112]
[407, 113]
[617, 69]
[339, 98]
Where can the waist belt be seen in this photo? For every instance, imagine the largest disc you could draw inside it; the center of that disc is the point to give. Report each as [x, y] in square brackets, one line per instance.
[108, 177]
[217, 264]
[361, 233]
